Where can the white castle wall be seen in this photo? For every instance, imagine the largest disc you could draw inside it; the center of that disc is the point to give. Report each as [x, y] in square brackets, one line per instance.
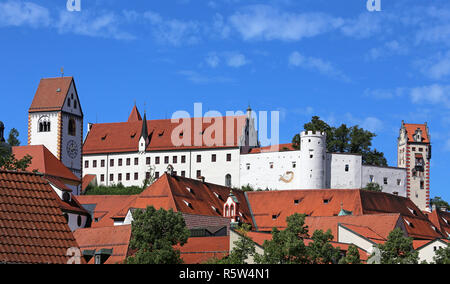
[49, 139]
[312, 160]
[393, 180]
[270, 170]
[343, 171]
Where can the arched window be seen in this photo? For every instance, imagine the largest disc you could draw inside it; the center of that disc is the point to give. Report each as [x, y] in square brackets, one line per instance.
[72, 127]
[228, 180]
[44, 124]
[232, 210]
[227, 211]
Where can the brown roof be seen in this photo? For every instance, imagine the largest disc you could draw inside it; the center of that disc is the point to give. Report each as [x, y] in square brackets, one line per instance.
[124, 136]
[411, 130]
[441, 220]
[116, 238]
[278, 148]
[44, 162]
[47, 97]
[199, 250]
[32, 227]
[171, 192]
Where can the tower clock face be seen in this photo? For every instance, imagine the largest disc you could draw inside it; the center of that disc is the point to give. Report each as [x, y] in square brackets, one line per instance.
[72, 149]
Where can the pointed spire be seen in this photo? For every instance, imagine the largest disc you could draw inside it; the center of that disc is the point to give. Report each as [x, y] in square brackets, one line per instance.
[135, 115]
[144, 132]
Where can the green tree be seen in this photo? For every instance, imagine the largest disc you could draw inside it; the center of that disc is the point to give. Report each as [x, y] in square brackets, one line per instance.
[345, 139]
[8, 162]
[373, 186]
[320, 250]
[398, 249]
[439, 202]
[154, 235]
[244, 248]
[442, 255]
[12, 138]
[352, 256]
[287, 246]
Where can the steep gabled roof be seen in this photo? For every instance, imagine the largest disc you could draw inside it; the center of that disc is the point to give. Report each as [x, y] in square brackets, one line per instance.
[187, 196]
[124, 136]
[411, 130]
[32, 226]
[47, 97]
[134, 115]
[44, 162]
[116, 238]
[441, 220]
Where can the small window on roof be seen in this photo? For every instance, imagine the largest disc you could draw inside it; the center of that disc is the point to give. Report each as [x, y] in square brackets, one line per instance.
[409, 223]
[161, 133]
[326, 201]
[104, 137]
[190, 190]
[297, 201]
[274, 217]
[187, 204]
[413, 211]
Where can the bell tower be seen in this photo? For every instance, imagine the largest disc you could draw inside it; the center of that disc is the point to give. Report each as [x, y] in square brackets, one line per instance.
[414, 154]
[55, 120]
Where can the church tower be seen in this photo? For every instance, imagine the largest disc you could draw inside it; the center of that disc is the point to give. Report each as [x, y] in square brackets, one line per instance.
[55, 120]
[414, 154]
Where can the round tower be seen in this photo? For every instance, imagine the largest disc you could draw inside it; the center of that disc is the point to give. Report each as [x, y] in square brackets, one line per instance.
[313, 148]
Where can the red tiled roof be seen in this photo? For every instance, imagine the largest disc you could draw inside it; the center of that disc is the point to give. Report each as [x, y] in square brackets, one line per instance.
[170, 192]
[44, 161]
[87, 179]
[111, 237]
[411, 130]
[106, 207]
[441, 220]
[278, 148]
[124, 136]
[32, 227]
[134, 115]
[199, 250]
[47, 98]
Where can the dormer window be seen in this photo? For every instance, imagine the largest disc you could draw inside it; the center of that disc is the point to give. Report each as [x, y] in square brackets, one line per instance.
[187, 204]
[326, 201]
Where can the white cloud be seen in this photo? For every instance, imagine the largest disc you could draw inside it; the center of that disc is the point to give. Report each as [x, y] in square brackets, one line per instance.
[236, 60]
[18, 13]
[198, 78]
[263, 22]
[212, 60]
[436, 67]
[231, 59]
[311, 63]
[388, 49]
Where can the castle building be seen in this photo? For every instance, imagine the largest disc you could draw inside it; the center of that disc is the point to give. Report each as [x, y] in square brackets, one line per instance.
[311, 167]
[55, 120]
[414, 154]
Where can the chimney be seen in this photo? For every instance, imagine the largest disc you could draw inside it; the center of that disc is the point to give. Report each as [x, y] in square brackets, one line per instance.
[202, 178]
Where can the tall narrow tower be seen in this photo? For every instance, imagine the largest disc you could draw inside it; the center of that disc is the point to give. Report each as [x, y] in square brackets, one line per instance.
[414, 154]
[313, 149]
[55, 120]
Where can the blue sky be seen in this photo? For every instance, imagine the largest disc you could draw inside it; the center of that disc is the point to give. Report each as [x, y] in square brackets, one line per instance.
[334, 59]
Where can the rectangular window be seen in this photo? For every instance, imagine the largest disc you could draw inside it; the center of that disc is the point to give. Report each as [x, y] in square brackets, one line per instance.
[102, 178]
[111, 163]
[372, 178]
[166, 159]
[102, 163]
[119, 177]
[111, 177]
[86, 164]
[147, 160]
[183, 159]
[174, 159]
[385, 180]
[183, 173]
[399, 182]
[248, 166]
[136, 161]
[347, 167]
[94, 163]
[420, 149]
[128, 176]
[136, 176]
[199, 173]
[147, 175]
[128, 161]
[213, 158]
[422, 184]
[228, 157]
[294, 165]
[120, 162]
[157, 160]
[156, 174]
[271, 165]
[199, 158]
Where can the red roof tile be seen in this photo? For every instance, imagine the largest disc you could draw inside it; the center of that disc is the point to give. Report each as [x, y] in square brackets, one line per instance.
[134, 115]
[116, 238]
[411, 130]
[199, 250]
[170, 192]
[33, 229]
[124, 136]
[278, 148]
[47, 98]
[44, 161]
[441, 220]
